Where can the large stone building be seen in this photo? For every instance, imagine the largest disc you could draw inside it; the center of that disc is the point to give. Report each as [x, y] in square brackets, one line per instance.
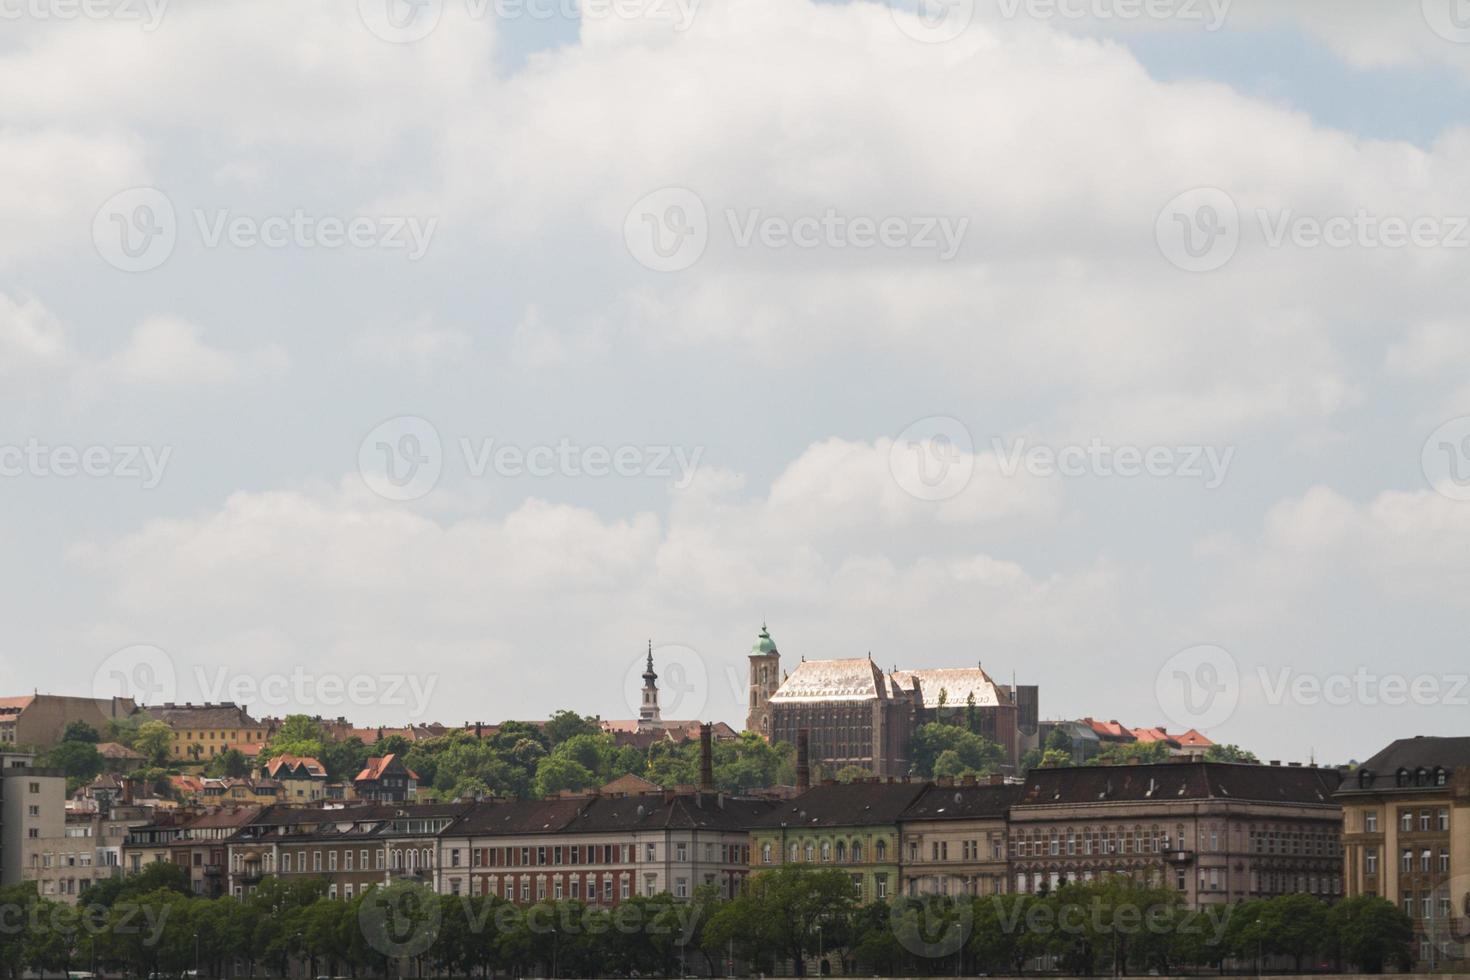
[858, 715]
[39, 720]
[954, 839]
[203, 731]
[1217, 832]
[1406, 838]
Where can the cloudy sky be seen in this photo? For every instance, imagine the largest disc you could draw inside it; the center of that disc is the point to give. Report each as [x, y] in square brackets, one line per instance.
[426, 361]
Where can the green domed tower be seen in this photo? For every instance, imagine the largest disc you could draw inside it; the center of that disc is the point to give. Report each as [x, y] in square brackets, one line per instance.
[765, 678]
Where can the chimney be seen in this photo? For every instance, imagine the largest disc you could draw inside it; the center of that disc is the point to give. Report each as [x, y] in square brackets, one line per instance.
[803, 760]
[706, 759]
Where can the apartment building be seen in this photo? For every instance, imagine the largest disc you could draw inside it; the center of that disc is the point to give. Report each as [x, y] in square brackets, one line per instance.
[203, 731]
[1406, 838]
[1217, 832]
[350, 848]
[953, 839]
[601, 849]
[850, 826]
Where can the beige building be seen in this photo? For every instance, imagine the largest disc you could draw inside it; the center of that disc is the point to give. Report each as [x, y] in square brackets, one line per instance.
[953, 839]
[1406, 838]
[1219, 833]
[38, 720]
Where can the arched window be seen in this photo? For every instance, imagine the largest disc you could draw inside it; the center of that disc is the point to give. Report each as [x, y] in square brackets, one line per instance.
[810, 852]
[826, 850]
[765, 853]
[881, 850]
[793, 852]
[1365, 778]
[841, 852]
[1440, 776]
[1401, 778]
[857, 851]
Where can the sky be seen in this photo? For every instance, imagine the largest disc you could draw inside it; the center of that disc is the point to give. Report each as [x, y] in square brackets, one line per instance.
[428, 361]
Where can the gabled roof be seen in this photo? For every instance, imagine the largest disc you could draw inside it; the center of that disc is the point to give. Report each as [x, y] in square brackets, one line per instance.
[16, 704]
[957, 683]
[627, 784]
[295, 767]
[844, 805]
[858, 679]
[1193, 739]
[377, 766]
[1110, 731]
[1148, 735]
[116, 750]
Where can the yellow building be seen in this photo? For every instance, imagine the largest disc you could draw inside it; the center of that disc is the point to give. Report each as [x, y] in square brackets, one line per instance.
[303, 779]
[203, 731]
[1406, 838]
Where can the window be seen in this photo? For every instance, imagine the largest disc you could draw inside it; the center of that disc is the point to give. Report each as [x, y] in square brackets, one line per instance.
[648, 852]
[681, 851]
[285, 861]
[681, 887]
[316, 860]
[1370, 860]
[331, 860]
[347, 860]
[1444, 859]
[881, 849]
[1370, 821]
[1443, 820]
[857, 852]
[1424, 817]
[1425, 860]
[810, 852]
[1406, 860]
[1406, 820]
[765, 854]
[880, 883]
[826, 851]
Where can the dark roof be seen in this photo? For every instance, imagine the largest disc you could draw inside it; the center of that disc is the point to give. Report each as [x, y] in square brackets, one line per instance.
[1174, 781]
[655, 811]
[844, 805]
[225, 714]
[517, 816]
[962, 802]
[1427, 751]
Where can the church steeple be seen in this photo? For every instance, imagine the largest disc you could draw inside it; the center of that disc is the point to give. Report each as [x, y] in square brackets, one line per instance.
[648, 712]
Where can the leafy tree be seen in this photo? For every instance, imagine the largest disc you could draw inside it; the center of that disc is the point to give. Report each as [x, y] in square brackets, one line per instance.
[1133, 753]
[557, 773]
[230, 762]
[851, 774]
[972, 754]
[153, 740]
[782, 909]
[1372, 933]
[80, 760]
[80, 731]
[1229, 753]
[566, 724]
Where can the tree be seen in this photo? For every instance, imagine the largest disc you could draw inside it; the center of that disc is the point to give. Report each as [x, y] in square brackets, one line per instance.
[230, 762]
[557, 773]
[851, 774]
[566, 724]
[153, 741]
[1371, 933]
[80, 731]
[1229, 753]
[1133, 753]
[1294, 925]
[782, 910]
[973, 754]
[80, 761]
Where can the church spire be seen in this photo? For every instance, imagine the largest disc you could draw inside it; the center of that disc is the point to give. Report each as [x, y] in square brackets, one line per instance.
[648, 711]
